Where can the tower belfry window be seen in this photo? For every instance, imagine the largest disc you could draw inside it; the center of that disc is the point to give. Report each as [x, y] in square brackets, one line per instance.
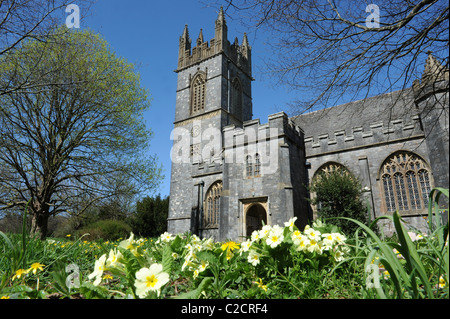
[198, 94]
[236, 98]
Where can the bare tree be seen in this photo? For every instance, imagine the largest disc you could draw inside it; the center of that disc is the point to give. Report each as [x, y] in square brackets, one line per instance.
[327, 49]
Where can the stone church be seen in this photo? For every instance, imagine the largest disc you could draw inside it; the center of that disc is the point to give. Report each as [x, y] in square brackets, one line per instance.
[230, 173]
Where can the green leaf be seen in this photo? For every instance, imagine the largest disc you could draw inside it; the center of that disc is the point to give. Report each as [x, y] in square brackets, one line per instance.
[209, 257]
[195, 294]
[167, 259]
[92, 292]
[177, 244]
[409, 252]
[392, 263]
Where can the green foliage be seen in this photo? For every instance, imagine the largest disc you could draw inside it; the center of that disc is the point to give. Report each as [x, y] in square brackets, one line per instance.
[405, 268]
[275, 262]
[338, 194]
[150, 218]
[17, 251]
[108, 229]
[87, 107]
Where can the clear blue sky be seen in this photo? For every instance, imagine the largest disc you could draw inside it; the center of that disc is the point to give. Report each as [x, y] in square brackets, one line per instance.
[147, 33]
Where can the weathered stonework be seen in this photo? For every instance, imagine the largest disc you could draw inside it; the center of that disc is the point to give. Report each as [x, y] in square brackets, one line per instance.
[264, 169]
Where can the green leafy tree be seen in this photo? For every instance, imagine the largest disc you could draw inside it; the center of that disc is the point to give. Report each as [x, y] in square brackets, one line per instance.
[150, 219]
[75, 138]
[338, 194]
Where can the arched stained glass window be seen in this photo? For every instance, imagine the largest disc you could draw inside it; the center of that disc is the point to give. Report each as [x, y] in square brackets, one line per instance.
[330, 168]
[212, 206]
[405, 182]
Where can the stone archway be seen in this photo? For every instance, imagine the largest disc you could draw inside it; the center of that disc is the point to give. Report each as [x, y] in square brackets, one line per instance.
[255, 217]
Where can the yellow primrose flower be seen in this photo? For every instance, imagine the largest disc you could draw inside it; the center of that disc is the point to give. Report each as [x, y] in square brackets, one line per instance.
[68, 235]
[264, 231]
[35, 267]
[19, 273]
[4, 297]
[231, 245]
[339, 237]
[314, 245]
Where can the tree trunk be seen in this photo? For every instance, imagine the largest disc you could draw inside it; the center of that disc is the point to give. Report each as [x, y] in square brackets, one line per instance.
[39, 221]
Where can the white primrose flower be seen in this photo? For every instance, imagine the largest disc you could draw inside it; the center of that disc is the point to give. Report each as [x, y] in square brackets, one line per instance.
[275, 236]
[130, 244]
[99, 267]
[256, 236]
[208, 244]
[314, 246]
[264, 231]
[312, 233]
[328, 240]
[113, 259]
[150, 279]
[339, 238]
[299, 240]
[245, 246]
[253, 258]
[166, 237]
[291, 223]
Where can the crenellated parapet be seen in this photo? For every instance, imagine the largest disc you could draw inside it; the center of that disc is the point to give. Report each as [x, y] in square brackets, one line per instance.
[279, 126]
[376, 133]
[239, 54]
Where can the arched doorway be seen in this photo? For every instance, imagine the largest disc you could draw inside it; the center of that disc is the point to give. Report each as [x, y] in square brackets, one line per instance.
[255, 217]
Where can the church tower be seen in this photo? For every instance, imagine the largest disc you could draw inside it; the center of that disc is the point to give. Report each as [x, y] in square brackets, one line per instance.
[213, 91]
